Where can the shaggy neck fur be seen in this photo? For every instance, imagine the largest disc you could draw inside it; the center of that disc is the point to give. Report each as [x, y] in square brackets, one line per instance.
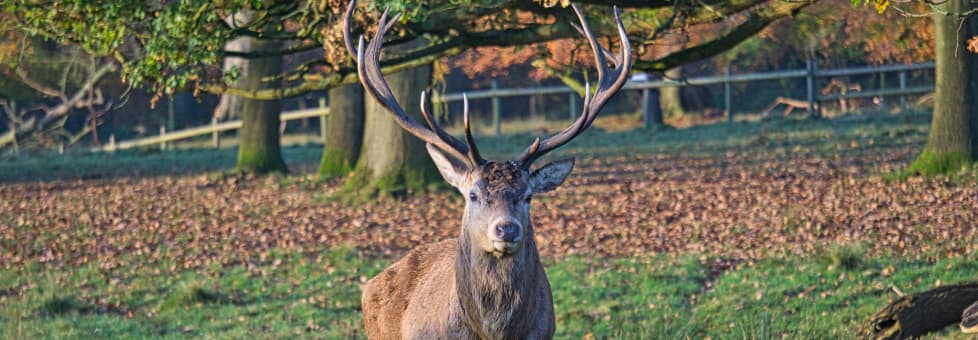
[498, 295]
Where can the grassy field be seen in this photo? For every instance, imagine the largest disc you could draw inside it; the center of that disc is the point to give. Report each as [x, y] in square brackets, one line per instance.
[733, 241]
[823, 296]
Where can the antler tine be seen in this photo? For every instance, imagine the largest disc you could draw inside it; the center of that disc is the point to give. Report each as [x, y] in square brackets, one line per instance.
[473, 153]
[607, 54]
[347, 40]
[609, 82]
[368, 68]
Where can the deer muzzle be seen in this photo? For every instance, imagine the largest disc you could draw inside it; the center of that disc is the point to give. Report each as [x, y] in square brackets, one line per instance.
[506, 236]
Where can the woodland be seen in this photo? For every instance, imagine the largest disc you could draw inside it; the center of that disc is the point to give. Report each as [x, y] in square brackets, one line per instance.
[853, 220]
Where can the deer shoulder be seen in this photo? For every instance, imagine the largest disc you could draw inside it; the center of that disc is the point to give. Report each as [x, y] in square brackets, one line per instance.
[386, 297]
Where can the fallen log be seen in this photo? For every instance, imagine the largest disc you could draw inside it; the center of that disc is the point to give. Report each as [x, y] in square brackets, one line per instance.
[790, 105]
[918, 314]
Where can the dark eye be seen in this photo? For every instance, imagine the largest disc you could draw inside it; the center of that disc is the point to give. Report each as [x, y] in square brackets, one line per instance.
[473, 197]
[528, 198]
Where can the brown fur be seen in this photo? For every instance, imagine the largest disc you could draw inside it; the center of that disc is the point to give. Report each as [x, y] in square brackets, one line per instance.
[417, 298]
[386, 296]
[463, 288]
[501, 175]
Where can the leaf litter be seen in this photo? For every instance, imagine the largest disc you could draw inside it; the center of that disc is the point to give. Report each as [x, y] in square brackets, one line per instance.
[731, 204]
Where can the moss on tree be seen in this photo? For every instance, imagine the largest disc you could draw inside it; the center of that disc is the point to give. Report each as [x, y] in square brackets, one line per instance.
[953, 139]
[259, 148]
[931, 163]
[335, 163]
[344, 131]
[393, 162]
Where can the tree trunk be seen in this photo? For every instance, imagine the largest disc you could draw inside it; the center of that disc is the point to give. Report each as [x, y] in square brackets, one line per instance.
[344, 131]
[230, 106]
[393, 161]
[651, 111]
[670, 97]
[259, 140]
[953, 139]
[914, 315]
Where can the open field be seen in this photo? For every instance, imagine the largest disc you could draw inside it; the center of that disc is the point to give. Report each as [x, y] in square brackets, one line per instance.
[657, 234]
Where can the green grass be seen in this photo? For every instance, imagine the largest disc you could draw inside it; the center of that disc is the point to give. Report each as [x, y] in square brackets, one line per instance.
[655, 297]
[283, 297]
[135, 163]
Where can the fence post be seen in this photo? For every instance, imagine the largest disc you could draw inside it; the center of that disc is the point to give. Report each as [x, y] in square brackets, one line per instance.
[111, 142]
[651, 113]
[646, 108]
[882, 88]
[495, 109]
[322, 119]
[216, 135]
[810, 86]
[727, 95]
[162, 135]
[903, 87]
[169, 112]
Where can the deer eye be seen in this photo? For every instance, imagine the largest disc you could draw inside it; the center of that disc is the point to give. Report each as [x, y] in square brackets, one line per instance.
[473, 197]
[527, 199]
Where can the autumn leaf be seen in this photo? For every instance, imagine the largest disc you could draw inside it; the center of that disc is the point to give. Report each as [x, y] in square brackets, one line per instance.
[881, 5]
[973, 44]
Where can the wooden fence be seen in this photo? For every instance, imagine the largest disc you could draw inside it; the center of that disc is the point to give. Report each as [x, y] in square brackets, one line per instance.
[811, 73]
[214, 129]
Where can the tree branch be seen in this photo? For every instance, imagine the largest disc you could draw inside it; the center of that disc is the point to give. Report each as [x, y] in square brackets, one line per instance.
[630, 3]
[756, 22]
[425, 55]
[307, 46]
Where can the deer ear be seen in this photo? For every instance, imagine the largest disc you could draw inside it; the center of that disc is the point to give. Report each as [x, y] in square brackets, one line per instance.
[551, 176]
[451, 170]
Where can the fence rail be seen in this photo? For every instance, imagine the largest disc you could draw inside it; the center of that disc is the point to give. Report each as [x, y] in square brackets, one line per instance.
[214, 129]
[811, 73]
[693, 81]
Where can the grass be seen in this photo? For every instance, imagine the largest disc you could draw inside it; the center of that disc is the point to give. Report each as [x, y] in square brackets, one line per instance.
[654, 297]
[827, 294]
[135, 163]
[286, 297]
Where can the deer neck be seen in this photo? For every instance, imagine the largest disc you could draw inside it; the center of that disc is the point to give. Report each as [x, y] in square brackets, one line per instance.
[497, 296]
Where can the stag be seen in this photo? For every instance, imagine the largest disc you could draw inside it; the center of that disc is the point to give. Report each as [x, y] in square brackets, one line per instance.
[488, 283]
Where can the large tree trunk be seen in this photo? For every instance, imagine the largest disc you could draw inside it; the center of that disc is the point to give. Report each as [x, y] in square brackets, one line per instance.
[344, 131]
[259, 141]
[393, 161]
[670, 97]
[953, 138]
[230, 106]
[914, 315]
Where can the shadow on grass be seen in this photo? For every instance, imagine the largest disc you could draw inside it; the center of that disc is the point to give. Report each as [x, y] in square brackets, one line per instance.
[136, 164]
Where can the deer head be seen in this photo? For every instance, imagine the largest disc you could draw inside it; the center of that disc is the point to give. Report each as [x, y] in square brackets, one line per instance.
[496, 219]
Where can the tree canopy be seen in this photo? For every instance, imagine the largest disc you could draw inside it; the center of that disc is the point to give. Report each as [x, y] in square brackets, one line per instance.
[179, 44]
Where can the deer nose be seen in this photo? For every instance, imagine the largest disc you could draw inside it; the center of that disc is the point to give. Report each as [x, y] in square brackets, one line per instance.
[508, 232]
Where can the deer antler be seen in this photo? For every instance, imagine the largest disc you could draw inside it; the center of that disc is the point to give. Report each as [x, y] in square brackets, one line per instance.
[609, 82]
[368, 68]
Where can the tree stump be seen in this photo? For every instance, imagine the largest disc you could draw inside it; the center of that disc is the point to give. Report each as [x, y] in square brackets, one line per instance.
[918, 314]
